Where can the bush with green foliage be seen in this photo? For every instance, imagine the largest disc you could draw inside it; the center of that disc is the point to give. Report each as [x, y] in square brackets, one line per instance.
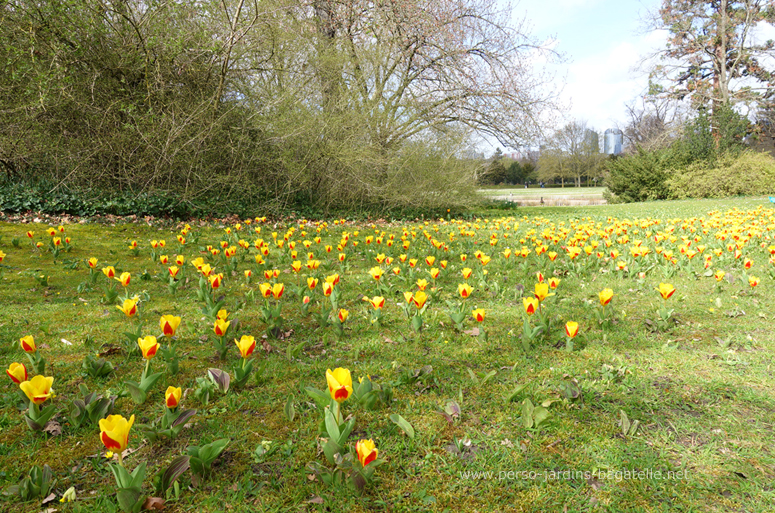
[639, 177]
[644, 176]
[745, 174]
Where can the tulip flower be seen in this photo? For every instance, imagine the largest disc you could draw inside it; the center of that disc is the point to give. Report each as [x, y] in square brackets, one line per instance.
[478, 314]
[109, 271]
[343, 314]
[466, 272]
[464, 289]
[422, 284]
[377, 302]
[164, 259]
[719, 275]
[296, 266]
[665, 290]
[129, 307]
[114, 432]
[172, 397]
[328, 288]
[38, 389]
[17, 372]
[265, 289]
[215, 280]
[605, 296]
[553, 283]
[542, 291]
[312, 283]
[333, 279]
[429, 260]
[376, 273]
[552, 255]
[277, 290]
[419, 299]
[124, 279]
[180, 260]
[540, 277]
[571, 329]
[434, 272]
[28, 344]
[753, 281]
[169, 324]
[149, 346]
[222, 314]
[92, 262]
[173, 271]
[220, 326]
[367, 451]
[530, 304]
[246, 344]
[339, 384]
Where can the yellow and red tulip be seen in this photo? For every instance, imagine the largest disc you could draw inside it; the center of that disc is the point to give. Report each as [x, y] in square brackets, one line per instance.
[149, 346]
[114, 432]
[478, 314]
[666, 290]
[246, 344]
[366, 450]
[27, 343]
[464, 289]
[38, 389]
[172, 397]
[530, 304]
[571, 329]
[169, 324]
[220, 326]
[129, 307]
[605, 296]
[109, 271]
[340, 384]
[419, 299]
[17, 372]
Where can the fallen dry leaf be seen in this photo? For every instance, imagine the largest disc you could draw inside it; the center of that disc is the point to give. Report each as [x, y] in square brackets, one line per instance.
[154, 503]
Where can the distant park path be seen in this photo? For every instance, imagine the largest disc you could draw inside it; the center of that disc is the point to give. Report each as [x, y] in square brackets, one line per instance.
[557, 196]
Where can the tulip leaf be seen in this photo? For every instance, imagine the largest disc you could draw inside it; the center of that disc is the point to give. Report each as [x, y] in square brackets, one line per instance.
[527, 413]
[474, 379]
[401, 422]
[346, 430]
[331, 449]
[332, 428]
[322, 399]
[173, 472]
[488, 376]
[183, 418]
[515, 393]
[220, 378]
[289, 410]
[138, 394]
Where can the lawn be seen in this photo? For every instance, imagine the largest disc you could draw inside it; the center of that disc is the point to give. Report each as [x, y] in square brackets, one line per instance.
[659, 405]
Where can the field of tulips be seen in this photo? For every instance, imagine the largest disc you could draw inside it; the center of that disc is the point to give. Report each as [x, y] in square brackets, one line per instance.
[606, 358]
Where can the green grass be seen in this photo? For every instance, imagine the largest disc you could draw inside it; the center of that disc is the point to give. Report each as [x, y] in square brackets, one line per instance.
[535, 192]
[701, 390]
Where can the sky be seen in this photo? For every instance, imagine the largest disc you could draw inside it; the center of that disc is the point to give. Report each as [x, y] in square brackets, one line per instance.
[603, 42]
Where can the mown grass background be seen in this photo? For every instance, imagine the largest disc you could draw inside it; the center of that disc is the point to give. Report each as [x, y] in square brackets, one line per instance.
[702, 390]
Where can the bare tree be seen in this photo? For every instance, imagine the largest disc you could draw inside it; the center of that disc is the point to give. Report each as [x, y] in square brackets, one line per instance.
[572, 153]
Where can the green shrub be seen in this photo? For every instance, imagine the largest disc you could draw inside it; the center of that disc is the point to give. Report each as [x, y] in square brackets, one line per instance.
[744, 174]
[639, 177]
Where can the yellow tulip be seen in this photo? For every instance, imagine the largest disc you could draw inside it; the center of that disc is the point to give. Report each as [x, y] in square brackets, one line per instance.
[28, 344]
[464, 289]
[172, 397]
[530, 304]
[277, 290]
[605, 296]
[169, 324]
[114, 432]
[422, 284]
[343, 315]
[419, 299]
[124, 279]
[17, 372]
[376, 273]
[542, 291]
[340, 384]
[246, 344]
[367, 451]
[665, 290]
[265, 289]
[222, 314]
[109, 271]
[478, 314]
[92, 262]
[220, 326]
[149, 346]
[571, 328]
[38, 389]
[129, 307]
